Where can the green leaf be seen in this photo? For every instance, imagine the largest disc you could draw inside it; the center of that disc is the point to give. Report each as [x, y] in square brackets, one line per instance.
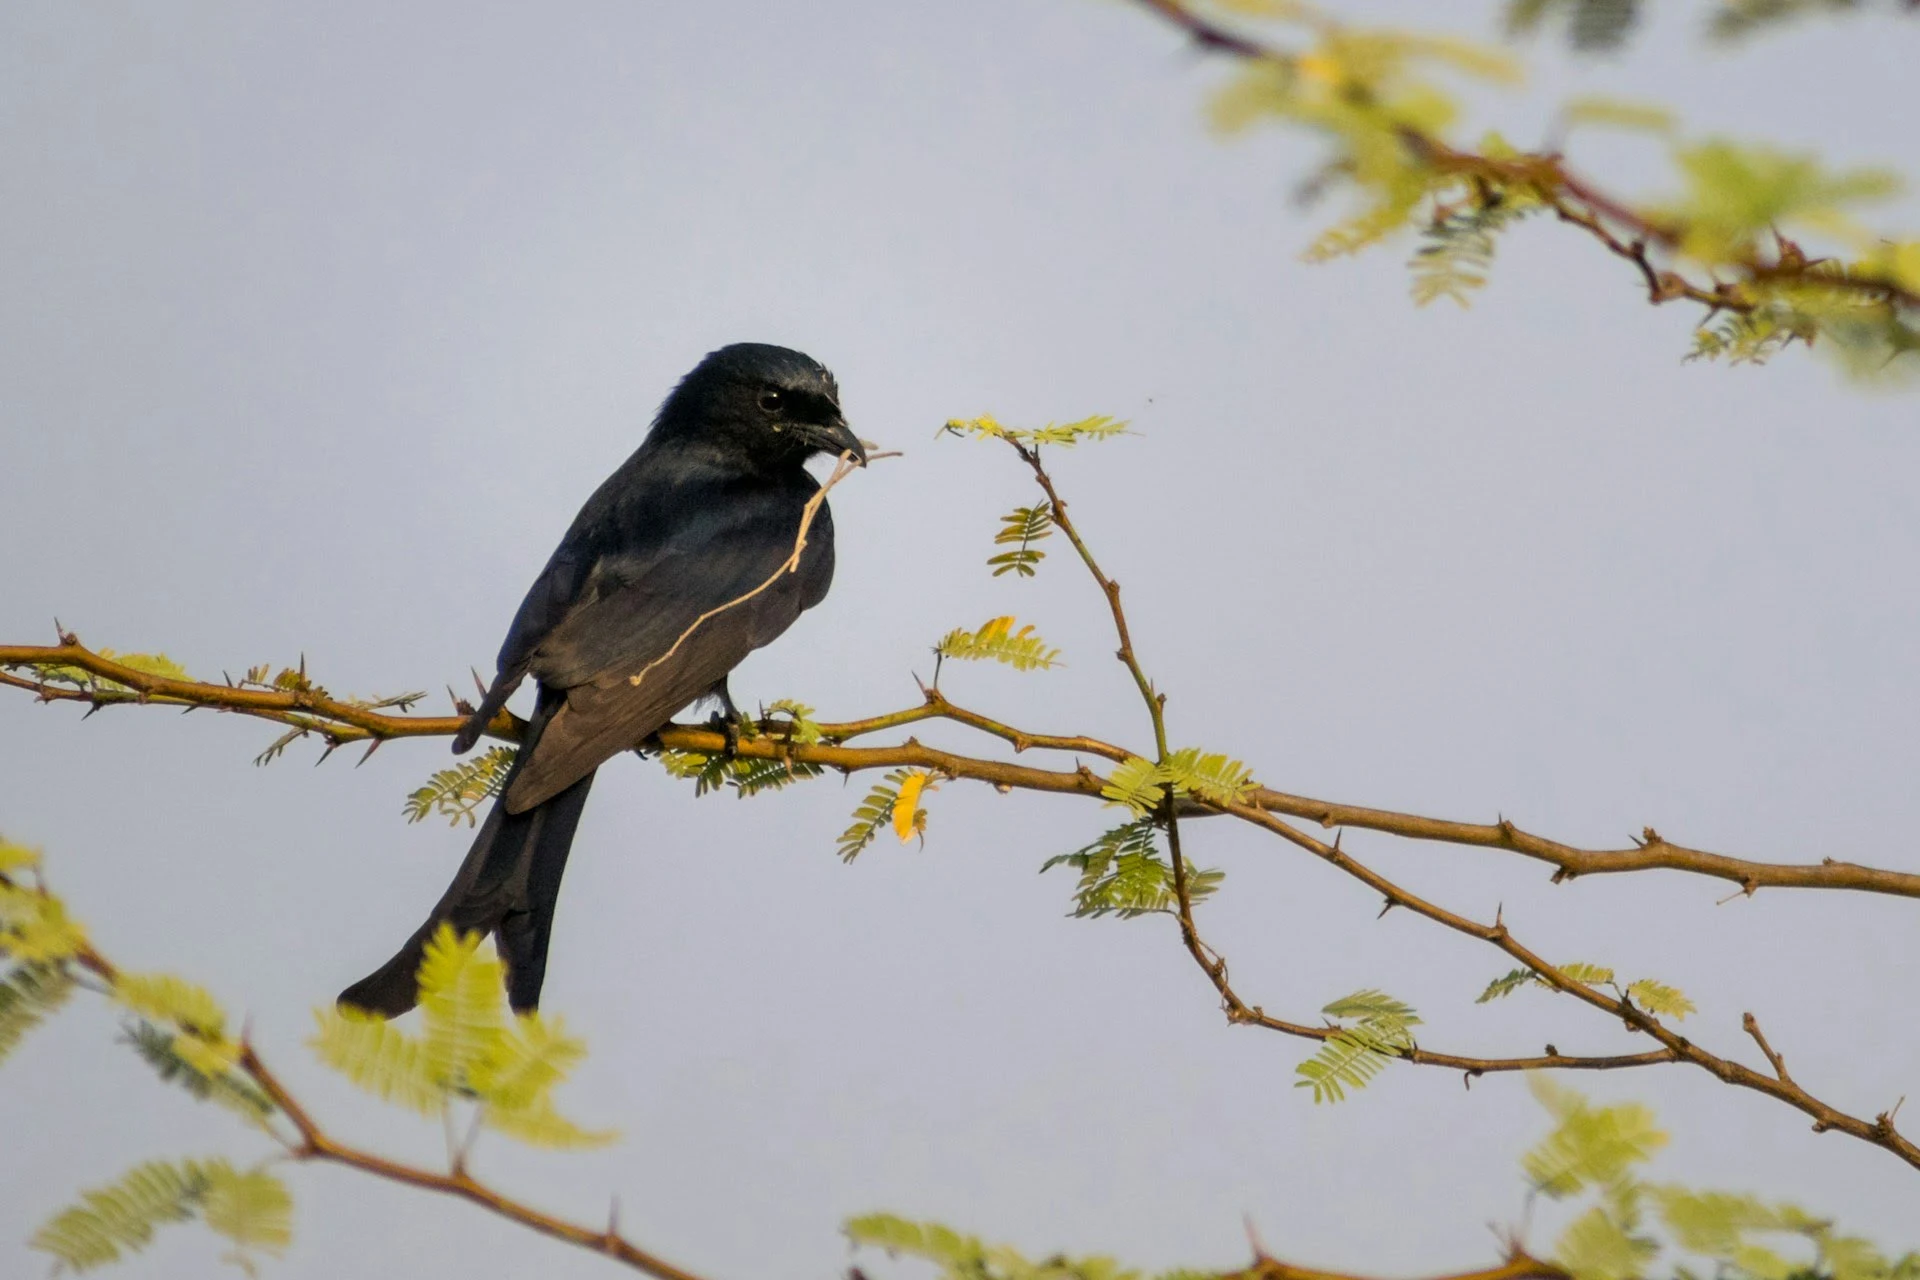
[458, 793]
[1713, 1222]
[873, 814]
[252, 1208]
[1737, 193]
[1136, 783]
[1368, 227]
[35, 928]
[463, 1014]
[1381, 1029]
[1506, 984]
[228, 1088]
[539, 1124]
[28, 995]
[1457, 247]
[1020, 529]
[121, 1216]
[1589, 1145]
[525, 1062]
[161, 997]
[379, 1058]
[960, 1254]
[751, 777]
[1213, 777]
[1123, 874]
[1594, 975]
[1593, 26]
[1737, 19]
[515, 1078]
[997, 640]
[1097, 427]
[1597, 1246]
[16, 857]
[1617, 114]
[709, 773]
[1659, 999]
[799, 727]
[962, 1257]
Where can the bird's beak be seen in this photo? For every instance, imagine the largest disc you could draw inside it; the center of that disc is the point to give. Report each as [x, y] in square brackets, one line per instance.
[836, 437]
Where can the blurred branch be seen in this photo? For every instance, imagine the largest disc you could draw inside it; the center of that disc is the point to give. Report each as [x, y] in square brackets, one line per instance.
[1520, 1266]
[315, 1144]
[1622, 230]
[311, 1142]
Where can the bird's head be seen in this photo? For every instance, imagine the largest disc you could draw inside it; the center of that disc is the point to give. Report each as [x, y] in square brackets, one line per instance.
[772, 405]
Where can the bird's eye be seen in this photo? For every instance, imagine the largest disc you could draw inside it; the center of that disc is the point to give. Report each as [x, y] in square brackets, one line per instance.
[770, 401]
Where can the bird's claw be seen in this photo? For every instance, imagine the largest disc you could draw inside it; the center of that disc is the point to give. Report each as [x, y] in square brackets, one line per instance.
[728, 728]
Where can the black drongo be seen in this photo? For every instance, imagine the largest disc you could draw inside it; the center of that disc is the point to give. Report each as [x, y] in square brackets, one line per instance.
[704, 512]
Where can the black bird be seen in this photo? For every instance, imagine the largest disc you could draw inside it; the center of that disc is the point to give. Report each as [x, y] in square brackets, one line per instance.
[704, 512]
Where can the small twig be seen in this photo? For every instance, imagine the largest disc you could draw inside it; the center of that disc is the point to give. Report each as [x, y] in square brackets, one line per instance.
[843, 468]
[1576, 201]
[1779, 1064]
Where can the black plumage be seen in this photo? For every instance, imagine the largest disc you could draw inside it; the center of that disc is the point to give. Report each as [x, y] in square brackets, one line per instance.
[703, 513]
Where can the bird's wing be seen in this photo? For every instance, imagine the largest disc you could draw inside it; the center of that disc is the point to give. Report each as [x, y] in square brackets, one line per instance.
[648, 636]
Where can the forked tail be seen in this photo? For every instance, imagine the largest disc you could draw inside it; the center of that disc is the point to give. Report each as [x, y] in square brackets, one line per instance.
[507, 887]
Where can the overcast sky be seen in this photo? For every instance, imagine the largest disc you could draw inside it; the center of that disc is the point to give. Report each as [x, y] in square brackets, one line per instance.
[321, 321]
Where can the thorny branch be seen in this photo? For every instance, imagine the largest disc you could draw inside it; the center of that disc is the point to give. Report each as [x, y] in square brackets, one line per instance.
[832, 753]
[1675, 1047]
[340, 721]
[311, 1142]
[1520, 1266]
[311, 710]
[1624, 232]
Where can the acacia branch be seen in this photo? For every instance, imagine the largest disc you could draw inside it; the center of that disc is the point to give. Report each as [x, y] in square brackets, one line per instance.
[142, 687]
[313, 1142]
[1155, 702]
[306, 706]
[1210, 961]
[1622, 230]
[1878, 1131]
[1653, 852]
[1675, 1047]
[1519, 1266]
[340, 721]
[316, 1144]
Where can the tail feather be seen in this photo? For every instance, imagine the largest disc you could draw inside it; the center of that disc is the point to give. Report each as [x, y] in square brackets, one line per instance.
[507, 886]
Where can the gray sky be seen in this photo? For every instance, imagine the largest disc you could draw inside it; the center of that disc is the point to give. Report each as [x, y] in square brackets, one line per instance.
[320, 325]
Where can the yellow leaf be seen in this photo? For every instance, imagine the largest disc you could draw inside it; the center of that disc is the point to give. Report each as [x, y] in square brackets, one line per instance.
[462, 1002]
[162, 997]
[1619, 114]
[1318, 66]
[252, 1209]
[525, 1063]
[907, 821]
[211, 1058]
[34, 927]
[378, 1057]
[16, 857]
[539, 1124]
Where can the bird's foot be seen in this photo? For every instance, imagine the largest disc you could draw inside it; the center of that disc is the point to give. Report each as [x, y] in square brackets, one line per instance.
[729, 728]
